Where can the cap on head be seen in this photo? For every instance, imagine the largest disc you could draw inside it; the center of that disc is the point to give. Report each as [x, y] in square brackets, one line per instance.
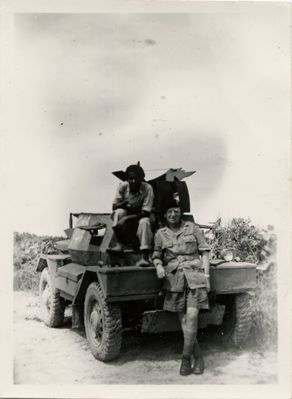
[137, 169]
[171, 203]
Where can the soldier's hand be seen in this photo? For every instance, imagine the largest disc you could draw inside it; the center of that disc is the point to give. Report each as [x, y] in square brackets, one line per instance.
[160, 271]
[122, 205]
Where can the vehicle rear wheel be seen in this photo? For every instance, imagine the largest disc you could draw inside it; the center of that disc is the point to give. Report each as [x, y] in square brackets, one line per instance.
[237, 318]
[243, 315]
[103, 324]
[51, 304]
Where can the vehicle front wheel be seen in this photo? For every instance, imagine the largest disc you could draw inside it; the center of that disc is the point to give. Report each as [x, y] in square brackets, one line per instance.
[51, 304]
[103, 324]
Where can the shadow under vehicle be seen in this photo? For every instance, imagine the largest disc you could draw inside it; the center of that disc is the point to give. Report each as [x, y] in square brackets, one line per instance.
[109, 293]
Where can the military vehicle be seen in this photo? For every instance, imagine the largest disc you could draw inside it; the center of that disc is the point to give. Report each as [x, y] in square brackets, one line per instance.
[108, 293]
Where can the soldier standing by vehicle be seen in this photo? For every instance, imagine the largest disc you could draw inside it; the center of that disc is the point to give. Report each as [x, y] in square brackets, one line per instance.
[131, 210]
[176, 256]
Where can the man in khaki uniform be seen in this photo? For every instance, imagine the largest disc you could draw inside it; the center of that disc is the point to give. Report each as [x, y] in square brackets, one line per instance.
[181, 258]
[132, 205]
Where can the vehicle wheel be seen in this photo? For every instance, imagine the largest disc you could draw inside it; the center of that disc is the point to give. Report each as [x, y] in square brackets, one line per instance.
[51, 304]
[103, 324]
[237, 319]
[243, 315]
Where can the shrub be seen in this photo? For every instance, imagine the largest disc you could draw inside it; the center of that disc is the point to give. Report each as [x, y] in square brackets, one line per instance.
[247, 242]
[265, 320]
[257, 245]
[26, 250]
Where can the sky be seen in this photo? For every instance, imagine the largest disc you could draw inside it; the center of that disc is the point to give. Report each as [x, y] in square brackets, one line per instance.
[93, 93]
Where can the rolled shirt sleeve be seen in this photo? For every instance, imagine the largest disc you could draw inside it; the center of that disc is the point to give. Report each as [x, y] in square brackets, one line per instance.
[147, 204]
[202, 243]
[120, 194]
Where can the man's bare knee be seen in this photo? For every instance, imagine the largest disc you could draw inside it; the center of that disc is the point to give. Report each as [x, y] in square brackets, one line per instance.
[119, 213]
[144, 221]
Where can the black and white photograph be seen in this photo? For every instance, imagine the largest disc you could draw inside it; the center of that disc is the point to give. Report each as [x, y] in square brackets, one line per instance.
[146, 178]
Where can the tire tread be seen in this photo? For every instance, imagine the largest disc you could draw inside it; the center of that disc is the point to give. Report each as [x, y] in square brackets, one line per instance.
[243, 323]
[54, 317]
[112, 339]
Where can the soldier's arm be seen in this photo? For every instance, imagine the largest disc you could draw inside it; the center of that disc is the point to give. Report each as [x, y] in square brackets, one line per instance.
[119, 200]
[204, 249]
[157, 256]
[148, 200]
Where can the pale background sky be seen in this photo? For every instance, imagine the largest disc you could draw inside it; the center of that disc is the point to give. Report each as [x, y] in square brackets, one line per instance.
[93, 93]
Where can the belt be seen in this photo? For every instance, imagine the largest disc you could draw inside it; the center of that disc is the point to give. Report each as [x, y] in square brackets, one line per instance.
[178, 263]
[183, 258]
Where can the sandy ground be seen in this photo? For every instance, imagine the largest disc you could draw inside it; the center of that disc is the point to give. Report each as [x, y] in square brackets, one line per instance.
[44, 355]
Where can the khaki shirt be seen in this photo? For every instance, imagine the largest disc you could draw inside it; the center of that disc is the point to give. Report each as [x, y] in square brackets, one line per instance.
[143, 199]
[180, 253]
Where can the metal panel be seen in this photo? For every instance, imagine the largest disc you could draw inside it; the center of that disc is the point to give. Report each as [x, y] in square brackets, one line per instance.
[156, 321]
[138, 297]
[131, 280]
[71, 271]
[80, 240]
[69, 278]
[82, 247]
[232, 279]
[86, 258]
[58, 257]
[235, 265]
[118, 281]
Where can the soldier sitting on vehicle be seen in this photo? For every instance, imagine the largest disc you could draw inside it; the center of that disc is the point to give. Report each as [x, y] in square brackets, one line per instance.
[132, 205]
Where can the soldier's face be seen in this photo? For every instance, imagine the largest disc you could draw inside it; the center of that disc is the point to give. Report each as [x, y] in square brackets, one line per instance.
[173, 216]
[134, 182]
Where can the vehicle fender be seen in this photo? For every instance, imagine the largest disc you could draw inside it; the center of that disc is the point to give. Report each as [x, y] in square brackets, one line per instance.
[53, 262]
[88, 277]
[41, 263]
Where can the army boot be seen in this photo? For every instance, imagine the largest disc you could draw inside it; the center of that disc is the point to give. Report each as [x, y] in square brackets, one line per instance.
[144, 261]
[186, 365]
[199, 361]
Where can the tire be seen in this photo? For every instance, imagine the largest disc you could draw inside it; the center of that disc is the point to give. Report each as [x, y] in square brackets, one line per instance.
[51, 304]
[237, 319]
[243, 314]
[103, 324]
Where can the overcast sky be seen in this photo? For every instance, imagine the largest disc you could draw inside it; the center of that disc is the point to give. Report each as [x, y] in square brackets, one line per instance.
[93, 93]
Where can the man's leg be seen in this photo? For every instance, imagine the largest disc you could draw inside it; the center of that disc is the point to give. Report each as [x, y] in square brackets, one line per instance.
[145, 236]
[118, 214]
[189, 323]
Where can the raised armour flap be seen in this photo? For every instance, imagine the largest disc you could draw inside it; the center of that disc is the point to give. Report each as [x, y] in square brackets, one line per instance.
[80, 240]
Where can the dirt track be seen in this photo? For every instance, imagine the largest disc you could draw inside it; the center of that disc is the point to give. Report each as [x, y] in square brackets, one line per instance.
[61, 356]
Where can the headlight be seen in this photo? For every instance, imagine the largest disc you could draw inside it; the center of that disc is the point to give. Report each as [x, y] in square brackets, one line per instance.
[227, 255]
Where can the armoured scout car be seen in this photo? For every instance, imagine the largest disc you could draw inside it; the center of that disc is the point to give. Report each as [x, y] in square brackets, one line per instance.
[108, 294]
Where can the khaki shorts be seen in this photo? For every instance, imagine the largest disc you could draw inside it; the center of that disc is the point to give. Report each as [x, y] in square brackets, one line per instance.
[180, 301]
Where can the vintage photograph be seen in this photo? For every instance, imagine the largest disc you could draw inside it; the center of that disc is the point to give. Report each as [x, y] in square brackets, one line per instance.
[148, 159]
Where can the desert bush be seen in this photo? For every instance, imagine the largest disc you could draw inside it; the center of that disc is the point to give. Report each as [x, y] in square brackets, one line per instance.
[265, 320]
[257, 245]
[26, 250]
[247, 242]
